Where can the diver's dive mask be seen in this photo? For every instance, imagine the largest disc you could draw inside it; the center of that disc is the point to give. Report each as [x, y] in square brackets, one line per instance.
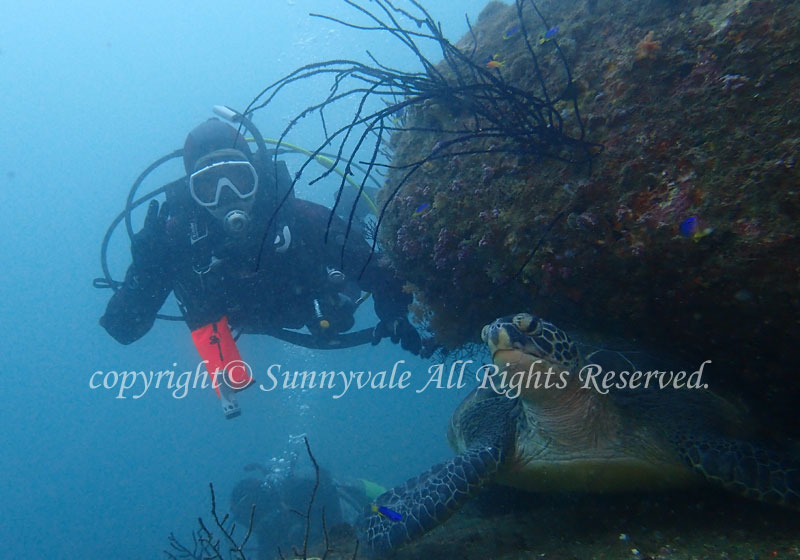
[225, 184]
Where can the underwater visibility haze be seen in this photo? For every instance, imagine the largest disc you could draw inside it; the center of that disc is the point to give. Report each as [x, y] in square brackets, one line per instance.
[624, 171]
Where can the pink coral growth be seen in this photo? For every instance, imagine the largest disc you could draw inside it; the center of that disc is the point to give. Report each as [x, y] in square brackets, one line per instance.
[442, 249]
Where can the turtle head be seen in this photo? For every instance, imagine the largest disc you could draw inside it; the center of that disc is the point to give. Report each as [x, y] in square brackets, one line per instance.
[521, 338]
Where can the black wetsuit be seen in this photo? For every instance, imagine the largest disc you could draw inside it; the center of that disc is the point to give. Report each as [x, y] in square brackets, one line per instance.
[213, 277]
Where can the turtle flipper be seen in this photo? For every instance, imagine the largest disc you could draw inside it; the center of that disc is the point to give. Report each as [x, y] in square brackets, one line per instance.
[429, 499]
[745, 468]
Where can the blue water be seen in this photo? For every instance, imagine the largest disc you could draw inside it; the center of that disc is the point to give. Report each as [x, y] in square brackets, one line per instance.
[91, 93]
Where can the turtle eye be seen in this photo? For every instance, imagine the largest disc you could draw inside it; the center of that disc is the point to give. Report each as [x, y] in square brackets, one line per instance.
[523, 321]
[529, 324]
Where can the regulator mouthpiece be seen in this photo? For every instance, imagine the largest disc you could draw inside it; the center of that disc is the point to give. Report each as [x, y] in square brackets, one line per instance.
[335, 276]
[236, 222]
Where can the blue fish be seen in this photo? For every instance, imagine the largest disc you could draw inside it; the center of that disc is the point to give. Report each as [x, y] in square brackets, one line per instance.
[549, 35]
[421, 208]
[386, 512]
[510, 32]
[688, 227]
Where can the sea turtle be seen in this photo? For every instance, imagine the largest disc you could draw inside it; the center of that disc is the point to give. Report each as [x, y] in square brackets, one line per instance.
[567, 437]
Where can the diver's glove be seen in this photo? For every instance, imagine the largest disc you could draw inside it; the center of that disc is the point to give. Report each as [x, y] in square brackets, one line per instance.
[149, 247]
[399, 330]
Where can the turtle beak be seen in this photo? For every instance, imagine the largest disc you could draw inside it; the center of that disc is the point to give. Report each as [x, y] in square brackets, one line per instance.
[492, 336]
[498, 336]
[487, 329]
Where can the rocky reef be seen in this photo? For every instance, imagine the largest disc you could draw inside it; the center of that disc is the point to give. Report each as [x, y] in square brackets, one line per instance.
[683, 233]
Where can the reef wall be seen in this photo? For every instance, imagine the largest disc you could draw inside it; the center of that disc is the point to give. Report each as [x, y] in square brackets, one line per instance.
[685, 231]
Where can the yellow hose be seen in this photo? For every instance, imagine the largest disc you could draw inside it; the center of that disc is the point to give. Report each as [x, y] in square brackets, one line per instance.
[325, 162]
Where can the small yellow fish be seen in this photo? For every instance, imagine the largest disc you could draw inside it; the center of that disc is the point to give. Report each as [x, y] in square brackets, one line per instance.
[493, 61]
[700, 234]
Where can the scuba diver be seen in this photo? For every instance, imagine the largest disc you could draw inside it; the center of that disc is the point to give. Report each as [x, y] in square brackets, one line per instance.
[272, 495]
[243, 255]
